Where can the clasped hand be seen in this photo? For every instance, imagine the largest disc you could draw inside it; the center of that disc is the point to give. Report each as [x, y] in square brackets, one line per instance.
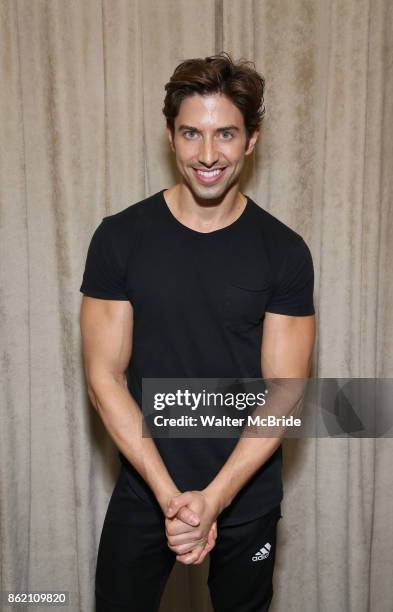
[191, 526]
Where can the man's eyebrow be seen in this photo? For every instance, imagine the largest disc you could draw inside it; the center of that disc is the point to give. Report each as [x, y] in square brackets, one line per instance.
[222, 129]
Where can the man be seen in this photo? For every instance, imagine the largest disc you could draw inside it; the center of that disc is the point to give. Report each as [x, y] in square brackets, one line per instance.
[194, 281]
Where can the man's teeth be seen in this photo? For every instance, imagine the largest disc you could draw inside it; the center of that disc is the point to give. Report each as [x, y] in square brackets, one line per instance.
[209, 174]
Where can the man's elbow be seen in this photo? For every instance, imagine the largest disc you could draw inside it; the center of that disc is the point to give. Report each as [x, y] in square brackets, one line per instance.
[99, 387]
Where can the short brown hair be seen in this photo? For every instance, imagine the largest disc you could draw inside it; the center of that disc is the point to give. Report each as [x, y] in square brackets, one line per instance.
[239, 81]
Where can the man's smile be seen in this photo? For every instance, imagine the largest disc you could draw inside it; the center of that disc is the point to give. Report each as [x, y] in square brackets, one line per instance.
[209, 177]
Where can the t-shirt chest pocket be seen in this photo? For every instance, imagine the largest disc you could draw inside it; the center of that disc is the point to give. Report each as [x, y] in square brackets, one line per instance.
[244, 307]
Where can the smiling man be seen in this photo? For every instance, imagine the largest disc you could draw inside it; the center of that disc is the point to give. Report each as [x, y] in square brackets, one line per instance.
[194, 281]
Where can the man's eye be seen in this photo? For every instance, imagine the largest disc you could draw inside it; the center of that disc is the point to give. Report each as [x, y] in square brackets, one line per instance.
[226, 135]
[189, 134]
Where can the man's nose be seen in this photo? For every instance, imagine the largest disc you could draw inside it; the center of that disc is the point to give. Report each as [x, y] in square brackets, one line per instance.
[208, 154]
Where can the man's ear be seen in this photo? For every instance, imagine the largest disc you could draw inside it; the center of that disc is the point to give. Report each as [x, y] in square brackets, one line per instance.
[170, 138]
[252, 142]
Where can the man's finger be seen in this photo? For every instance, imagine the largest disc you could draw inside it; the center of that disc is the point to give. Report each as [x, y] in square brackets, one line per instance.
[211, 542]
[175, 527]
[191, 557]
[190, 537]
[176, 503]
[183, 549]
[205, 552]
[188, 516]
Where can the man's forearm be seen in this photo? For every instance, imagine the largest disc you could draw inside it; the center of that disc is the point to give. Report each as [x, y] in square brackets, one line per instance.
[122, 418]
[250, 453]
[247, 457]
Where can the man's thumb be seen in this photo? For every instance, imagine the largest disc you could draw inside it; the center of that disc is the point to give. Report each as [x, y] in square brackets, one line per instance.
[188, 516]
[177, 504]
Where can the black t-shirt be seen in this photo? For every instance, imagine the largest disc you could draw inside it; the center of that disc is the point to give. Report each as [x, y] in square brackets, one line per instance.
[199, 300]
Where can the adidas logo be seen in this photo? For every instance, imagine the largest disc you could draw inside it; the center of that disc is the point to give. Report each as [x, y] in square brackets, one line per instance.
[262, 553]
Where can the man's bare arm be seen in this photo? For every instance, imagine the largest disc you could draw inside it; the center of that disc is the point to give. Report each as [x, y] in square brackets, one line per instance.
[107, 329]
[286, 353]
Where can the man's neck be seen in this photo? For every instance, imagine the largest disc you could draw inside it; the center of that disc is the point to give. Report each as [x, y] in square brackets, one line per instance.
[204, 215]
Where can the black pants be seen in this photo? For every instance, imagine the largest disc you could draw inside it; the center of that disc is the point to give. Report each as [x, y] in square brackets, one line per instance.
[134, 560]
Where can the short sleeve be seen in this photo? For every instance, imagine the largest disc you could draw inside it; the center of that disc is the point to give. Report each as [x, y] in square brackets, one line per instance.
[293, 286]
[104, 274]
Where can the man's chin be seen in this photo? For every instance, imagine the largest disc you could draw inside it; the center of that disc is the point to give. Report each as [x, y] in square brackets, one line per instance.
[206, 194]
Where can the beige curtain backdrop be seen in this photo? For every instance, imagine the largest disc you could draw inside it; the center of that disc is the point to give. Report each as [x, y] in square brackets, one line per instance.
[82, 136]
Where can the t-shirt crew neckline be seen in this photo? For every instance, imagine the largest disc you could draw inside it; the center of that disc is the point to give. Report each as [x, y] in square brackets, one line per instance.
[221, 230]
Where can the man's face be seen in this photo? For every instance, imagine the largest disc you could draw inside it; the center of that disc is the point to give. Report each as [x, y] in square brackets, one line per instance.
[210, 144]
